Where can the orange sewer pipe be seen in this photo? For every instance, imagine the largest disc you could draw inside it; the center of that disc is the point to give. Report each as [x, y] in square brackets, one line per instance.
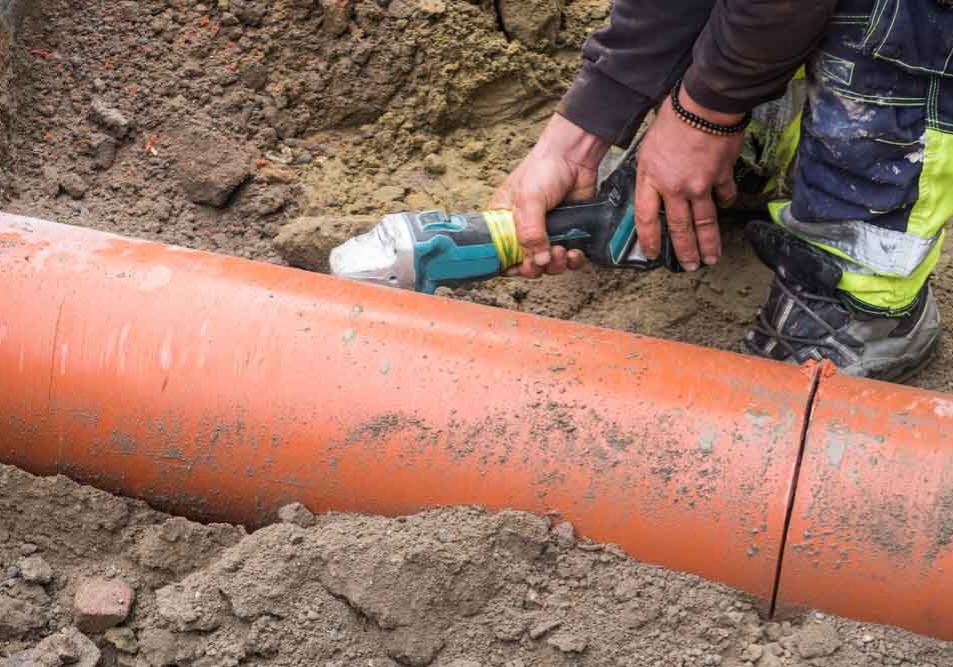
[221, 389]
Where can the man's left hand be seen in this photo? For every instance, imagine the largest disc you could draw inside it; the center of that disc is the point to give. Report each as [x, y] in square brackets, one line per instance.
[688, 170]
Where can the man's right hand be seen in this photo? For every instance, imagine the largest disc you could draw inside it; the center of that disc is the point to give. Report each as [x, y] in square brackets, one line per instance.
[562, 166]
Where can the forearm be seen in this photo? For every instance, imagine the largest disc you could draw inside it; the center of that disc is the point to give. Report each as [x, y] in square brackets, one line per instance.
[631, 64]
[750, 49]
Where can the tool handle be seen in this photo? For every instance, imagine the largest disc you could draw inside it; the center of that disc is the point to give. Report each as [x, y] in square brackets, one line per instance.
[577, 225]
[606, 233]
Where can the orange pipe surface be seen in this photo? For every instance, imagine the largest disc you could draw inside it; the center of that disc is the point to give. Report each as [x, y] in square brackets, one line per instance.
[222, 388]
[871, 531]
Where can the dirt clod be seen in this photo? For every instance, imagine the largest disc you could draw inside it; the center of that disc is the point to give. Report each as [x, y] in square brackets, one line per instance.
[74, 185]
[296, 514]
[210, 167]
[567, 642]
[337, 16]
[66, 647]
[35, 570]
[817, 640]
[22, 610]
[565, 534]
[307, 242]
[535, 23]
[123, 639]
[109, 119]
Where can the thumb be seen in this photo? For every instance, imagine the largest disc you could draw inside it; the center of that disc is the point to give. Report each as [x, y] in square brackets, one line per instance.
[531, 228]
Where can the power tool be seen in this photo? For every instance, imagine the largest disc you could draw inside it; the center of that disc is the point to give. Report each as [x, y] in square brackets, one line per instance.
[426, 250]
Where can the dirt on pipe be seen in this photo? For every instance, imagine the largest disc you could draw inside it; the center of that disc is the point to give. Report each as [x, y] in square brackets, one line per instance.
[214, 124]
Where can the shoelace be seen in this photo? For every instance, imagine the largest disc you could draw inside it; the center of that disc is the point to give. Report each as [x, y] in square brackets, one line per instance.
[765, 328]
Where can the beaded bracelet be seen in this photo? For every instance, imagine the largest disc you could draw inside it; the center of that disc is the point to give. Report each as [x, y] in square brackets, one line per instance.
[703, 124]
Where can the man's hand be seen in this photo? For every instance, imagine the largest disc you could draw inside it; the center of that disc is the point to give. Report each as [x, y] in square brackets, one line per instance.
[683, 168]
[562, 166]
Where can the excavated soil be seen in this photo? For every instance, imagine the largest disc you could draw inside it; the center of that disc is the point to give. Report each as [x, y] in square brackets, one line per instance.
[214, 124]
[453, 587]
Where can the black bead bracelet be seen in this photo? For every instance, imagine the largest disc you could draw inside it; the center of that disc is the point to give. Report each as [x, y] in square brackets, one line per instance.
[699, 123]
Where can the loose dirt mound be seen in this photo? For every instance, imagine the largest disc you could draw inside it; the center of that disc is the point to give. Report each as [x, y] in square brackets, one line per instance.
[456, 587]
[211, 125]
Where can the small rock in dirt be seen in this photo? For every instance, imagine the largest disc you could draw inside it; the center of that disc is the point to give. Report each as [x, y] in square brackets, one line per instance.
[772, 632]
[543, 627]
[565, 534]
[337, 16]
[400, 9]
[100, 604]
[124, 639]
[752, 653]
[66, 647]
[434, 165]
[209, 168]
[867, 638]
[304, 157]
[473, 150]
[535, 23]
[432, 7]
[567, 642]
[817, 640]
[296, 514]
[769, 660]
[110, 119]
[51, 180]
[28, 548]
[74, 185]
[254, 75]
[250, 12]
[35, 570]
[104, 151]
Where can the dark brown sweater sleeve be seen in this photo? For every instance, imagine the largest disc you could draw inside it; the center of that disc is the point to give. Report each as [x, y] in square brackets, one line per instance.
[745, 52]
[750, 49]
[629, 65]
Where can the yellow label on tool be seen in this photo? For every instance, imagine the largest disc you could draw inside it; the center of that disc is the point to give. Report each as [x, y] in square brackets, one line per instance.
[502, 228]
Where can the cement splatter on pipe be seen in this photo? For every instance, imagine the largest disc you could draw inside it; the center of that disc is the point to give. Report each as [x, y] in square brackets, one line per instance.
[222, 388]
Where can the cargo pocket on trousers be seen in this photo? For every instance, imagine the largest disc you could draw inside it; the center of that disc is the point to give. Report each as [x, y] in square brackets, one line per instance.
[914, 34]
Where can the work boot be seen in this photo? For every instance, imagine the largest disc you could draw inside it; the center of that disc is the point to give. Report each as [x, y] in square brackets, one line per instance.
[807, 317]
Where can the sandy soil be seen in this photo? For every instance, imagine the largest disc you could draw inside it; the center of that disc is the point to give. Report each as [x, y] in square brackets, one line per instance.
[213, 124]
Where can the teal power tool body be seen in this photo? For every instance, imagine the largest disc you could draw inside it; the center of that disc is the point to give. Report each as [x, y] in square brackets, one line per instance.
[426, 250]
